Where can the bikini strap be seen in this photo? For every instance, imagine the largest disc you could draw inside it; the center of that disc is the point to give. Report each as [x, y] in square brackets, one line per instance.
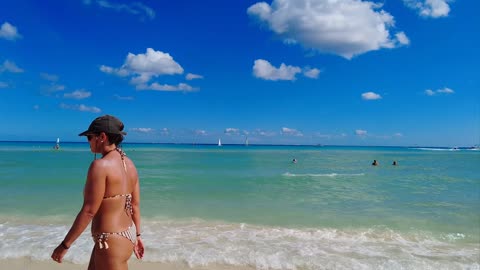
[122, 155]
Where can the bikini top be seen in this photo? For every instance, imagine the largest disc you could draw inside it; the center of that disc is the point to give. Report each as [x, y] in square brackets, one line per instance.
[128, 197]
[128, 202]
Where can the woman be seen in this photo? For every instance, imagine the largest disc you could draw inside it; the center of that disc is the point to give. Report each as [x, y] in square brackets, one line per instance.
[111, 201]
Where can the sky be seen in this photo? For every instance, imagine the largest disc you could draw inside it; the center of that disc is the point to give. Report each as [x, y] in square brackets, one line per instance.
[329, 72]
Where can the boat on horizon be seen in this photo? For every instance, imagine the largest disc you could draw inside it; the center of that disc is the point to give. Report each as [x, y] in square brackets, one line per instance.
[57, 144]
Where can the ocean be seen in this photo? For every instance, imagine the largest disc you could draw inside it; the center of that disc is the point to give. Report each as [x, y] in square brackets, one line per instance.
[252, 206]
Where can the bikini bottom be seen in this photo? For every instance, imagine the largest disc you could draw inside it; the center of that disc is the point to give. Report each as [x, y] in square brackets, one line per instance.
[102, 238]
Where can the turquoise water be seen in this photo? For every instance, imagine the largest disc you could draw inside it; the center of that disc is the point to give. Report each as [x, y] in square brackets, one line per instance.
[252, 206]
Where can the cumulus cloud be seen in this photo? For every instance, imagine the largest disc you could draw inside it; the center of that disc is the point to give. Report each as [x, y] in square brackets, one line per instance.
[135, 8]
[429, 8]
[142, 130]
[144, 67]
[49, 77]
[311, 73]
[10, 67]
[264, 70]
[370, 96]
[360, 132]
[9, 32]
[200, 132]
[164, 131]
[80, 107]
[263, 133]
[232, 131]
[291, 132]
[191, 76]
[402, 38]
[442, 91]
[342, 27]
[78, 94]
[167, 87]
[118, 97]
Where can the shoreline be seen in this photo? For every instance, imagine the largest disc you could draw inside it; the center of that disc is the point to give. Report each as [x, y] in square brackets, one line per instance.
[30, 264]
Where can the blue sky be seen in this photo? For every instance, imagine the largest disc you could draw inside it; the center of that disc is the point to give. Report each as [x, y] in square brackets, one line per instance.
[344, 72]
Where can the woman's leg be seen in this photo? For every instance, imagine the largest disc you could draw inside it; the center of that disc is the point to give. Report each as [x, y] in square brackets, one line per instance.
[116, 256]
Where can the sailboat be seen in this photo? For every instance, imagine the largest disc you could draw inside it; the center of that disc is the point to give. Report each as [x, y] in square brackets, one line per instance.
[57, 145]
[246, 141]
[219, 142]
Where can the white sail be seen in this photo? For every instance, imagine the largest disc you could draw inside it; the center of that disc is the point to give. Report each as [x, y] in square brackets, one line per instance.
[219, 142]
[246, 141]
[58, 140]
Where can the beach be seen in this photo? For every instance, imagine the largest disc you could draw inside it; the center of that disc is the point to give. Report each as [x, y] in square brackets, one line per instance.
[27, 264]
[239, 207]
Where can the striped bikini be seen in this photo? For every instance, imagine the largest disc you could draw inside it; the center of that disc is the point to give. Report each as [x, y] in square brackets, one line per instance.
[129, 233]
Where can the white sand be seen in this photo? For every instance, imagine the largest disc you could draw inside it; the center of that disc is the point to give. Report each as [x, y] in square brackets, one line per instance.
[28, 264]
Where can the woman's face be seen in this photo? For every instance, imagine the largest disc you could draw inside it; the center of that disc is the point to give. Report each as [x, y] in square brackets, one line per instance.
[92, 140]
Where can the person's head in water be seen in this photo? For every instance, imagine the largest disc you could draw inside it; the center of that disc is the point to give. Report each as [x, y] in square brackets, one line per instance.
[394, 163]
[374, 163]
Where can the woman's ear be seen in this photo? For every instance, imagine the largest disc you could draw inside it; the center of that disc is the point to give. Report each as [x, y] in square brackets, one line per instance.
[103, 137]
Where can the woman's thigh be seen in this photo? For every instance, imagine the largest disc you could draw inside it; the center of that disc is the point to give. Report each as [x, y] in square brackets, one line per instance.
[116, 256]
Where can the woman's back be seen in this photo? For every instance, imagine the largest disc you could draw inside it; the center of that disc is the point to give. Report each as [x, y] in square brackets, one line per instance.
[114, 213]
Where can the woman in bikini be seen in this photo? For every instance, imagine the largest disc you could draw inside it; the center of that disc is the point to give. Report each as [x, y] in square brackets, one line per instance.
[111, 201]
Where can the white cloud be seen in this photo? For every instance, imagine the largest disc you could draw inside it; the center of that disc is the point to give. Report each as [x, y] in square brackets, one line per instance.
[118, 97]
[442, 91]
[371, 96]
[49, 77]
[311, 73]
[135, 8]
[264, 70]
[144, 67]
[398, 134]
[232, 131]
[445, 90]
[402, 38]
[164, 132]
[9, 32]
[142, 130]
[191, 76]
[78, 94]
[291, 132]
[80, 107]
[360, 132]
[429, 8]
[3, 85]
[429, 92]
[263, 133]
[166, 87]
[115, 71]
[342, 27]
[200, 132]
[10, 67]
[36, 107]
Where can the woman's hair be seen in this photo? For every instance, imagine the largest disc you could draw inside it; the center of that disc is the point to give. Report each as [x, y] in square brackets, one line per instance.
[116, 139]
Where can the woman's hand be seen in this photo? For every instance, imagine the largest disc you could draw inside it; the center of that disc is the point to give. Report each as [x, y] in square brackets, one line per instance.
[58, 253]
[139, 249]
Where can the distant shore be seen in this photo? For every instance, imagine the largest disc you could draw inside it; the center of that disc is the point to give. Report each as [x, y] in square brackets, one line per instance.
[262, 144]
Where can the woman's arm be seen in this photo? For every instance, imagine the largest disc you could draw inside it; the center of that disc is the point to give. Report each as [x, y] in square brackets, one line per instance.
[92, 199]
[139, 248]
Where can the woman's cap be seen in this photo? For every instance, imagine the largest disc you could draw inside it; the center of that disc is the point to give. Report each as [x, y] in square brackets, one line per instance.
[107, 123]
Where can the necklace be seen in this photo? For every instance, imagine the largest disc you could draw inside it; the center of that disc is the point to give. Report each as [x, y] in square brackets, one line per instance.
[108, 152]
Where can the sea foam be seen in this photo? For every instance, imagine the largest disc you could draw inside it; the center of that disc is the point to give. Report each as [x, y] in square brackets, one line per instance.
[200, 243]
